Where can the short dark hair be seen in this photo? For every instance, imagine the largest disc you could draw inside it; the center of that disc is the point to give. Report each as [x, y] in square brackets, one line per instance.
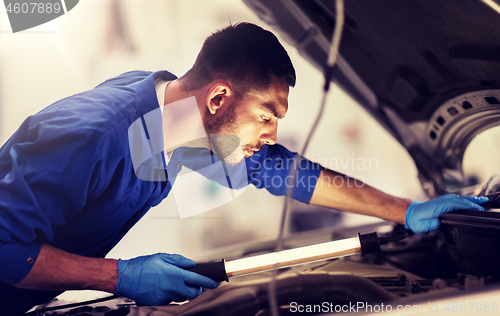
[246, 55]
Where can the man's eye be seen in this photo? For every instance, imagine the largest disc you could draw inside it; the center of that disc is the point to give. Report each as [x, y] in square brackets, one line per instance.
[265, 119]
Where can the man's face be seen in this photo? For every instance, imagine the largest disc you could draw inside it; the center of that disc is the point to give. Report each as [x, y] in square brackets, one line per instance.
[253, 120]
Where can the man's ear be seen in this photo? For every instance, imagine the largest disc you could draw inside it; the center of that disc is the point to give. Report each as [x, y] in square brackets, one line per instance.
[220, 96]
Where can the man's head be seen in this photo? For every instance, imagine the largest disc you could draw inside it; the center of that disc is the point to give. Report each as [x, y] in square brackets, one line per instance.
[243, 74]
[244, 54]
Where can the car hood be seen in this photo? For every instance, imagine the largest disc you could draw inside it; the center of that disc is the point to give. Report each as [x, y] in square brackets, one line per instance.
[428, 71]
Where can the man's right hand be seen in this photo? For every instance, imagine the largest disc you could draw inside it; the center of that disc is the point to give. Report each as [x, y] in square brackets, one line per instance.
[159, 279]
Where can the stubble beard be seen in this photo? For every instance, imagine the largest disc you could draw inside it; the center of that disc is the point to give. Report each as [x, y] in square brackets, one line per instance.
[223, 141]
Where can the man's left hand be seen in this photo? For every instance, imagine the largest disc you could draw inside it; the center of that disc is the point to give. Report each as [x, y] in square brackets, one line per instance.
[423, 217]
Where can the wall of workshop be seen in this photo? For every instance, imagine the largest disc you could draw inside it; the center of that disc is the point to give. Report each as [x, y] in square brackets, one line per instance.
[99, 39]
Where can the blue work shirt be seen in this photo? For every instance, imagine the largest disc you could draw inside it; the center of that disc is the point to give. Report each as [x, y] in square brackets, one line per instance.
[67, 179]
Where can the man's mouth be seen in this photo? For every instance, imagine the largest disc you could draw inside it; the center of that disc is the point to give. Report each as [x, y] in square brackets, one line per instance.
[251, 151]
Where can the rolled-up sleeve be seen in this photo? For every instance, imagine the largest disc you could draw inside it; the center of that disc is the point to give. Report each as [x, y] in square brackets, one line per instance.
[271, 167]
[17, 260]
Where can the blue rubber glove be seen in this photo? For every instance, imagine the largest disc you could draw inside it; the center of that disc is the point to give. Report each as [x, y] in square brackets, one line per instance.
[158, 279]
[423, 217]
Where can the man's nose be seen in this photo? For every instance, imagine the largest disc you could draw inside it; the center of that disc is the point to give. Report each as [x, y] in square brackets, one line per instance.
[269, 135]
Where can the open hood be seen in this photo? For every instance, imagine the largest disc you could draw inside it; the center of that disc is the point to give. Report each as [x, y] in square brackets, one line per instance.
[428, 71]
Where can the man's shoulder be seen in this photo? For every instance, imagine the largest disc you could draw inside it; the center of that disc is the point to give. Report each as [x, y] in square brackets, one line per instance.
[135, 76]
[126, 78]
[109, 109]
[95, 112]
[118, 99]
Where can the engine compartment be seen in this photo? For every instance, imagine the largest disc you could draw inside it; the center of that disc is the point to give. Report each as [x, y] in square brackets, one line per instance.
[417, 268]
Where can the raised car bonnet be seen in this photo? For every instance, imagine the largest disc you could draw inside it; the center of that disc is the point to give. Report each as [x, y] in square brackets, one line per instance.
[428, 71]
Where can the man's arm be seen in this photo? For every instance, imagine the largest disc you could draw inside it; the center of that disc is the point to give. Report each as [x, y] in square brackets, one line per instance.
[270, 168]
[150, 280]
[344, 193]
[57, 270]
[341, 192]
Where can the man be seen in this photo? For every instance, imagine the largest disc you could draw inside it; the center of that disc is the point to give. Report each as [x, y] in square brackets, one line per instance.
[75, 178]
